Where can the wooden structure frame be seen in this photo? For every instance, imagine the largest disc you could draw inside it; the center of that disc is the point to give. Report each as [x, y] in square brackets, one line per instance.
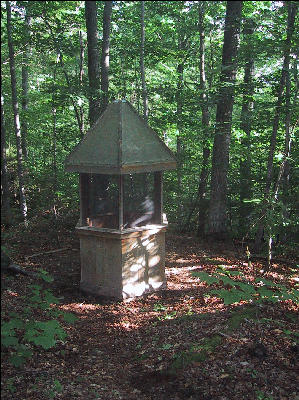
[117, 259]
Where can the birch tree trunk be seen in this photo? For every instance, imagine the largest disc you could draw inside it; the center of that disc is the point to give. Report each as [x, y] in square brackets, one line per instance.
[217, 219]
[15, 106]
[105, 55]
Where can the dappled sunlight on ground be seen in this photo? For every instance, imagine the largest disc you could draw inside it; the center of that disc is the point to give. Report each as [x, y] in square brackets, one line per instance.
[126, 350]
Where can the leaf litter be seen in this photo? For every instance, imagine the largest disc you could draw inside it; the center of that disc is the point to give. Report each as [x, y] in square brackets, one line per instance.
[179, 343]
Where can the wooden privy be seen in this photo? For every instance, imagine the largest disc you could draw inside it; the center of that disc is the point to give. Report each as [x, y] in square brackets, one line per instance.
[121, 228]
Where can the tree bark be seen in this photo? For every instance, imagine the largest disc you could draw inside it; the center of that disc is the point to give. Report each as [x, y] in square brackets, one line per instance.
[81, 73]
[5, 203]
[105, 55]
[78, 111]
[142, 70]
[179, 144]
[23, 204]
[93, 61]
[292, 8]
[217, 219]
[54, 136]
[246, 123]
[24, 125]
[205, 119]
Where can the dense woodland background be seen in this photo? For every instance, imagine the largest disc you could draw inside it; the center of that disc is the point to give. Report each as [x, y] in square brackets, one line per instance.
[217, 81]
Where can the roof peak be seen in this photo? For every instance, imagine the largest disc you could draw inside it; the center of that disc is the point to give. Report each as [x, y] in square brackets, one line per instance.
[120, 142]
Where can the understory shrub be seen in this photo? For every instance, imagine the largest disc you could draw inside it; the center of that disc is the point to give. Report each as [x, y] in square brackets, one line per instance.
[236, 290]
[21, 332]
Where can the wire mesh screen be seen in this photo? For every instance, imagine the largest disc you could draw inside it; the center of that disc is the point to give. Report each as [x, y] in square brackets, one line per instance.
[103, 201]
[120, 202]
[138, 200]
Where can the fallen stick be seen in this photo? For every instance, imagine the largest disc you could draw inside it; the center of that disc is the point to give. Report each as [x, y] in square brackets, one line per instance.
[47, 252]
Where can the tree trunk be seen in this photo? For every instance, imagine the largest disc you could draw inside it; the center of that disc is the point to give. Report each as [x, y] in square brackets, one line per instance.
[179, 145]
[24, 125]
[54, 137]
[292, 7]
[93, 61]
[81, 73]
[246, 123]
[217, 219]
[205, 123]
[78, 112]
[142, 71]
[5, 203]
[23, 205]
[105, 55]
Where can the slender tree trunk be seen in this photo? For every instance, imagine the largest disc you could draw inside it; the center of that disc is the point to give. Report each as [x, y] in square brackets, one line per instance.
[24, 125]
[105, 55]
[217, 219]
[54, 111]
[77, 111]
[286, 174]
[93, 61]
[5, 203]
[23, 204]
[286, 153]
[81, 73]
[246, 123]
[205, 122]
[142, 71]
[123, 77]
[179, 144]
[137, 86]
[292, 8]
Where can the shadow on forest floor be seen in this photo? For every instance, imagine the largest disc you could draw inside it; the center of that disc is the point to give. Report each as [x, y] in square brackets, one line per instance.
[179, 343]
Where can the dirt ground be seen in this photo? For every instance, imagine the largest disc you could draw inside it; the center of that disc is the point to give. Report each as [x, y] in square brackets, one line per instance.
[179, 343]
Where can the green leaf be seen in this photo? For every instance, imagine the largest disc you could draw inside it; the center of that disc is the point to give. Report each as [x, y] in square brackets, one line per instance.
[20, 357]
[17, 360]
[30, 334]
[46, 341]
[265, 282]
[69, 317]
[247, 287]
[264, 292]
[229, 296]
[205, 277]
[7, 341]
[235, 273]
[166, 346]
[45, 276]
[50, 298]
[227, 281]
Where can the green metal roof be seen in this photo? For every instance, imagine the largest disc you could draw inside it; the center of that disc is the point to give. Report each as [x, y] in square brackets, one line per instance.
[120, 142]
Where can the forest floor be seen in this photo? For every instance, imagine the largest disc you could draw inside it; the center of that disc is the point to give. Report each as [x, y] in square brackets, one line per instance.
[179, 343]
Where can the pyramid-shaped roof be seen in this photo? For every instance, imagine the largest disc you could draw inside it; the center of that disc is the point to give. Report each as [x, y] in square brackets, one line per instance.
[120, 142]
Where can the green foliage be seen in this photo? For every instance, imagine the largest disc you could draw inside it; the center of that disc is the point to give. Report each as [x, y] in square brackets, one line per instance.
[236, 290]
[55, 28]
[197, 354]
[22, 332]
[260, 395]
[55, 388]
